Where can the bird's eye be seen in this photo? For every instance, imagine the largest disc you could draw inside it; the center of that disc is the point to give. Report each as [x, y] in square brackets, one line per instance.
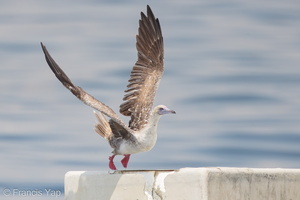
[161, 109]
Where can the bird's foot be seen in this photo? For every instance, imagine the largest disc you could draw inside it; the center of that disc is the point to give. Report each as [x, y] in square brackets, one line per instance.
[111, 162]
[125, 160]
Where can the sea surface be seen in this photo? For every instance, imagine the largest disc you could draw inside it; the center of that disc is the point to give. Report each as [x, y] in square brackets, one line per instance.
[232, 74]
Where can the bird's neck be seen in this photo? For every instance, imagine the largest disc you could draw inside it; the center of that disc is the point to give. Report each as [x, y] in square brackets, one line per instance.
[151, 127]
[147, 136]
[153, 121]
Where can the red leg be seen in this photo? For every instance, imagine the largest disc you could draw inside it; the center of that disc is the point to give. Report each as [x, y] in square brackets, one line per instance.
[111, 162]
[125, 160]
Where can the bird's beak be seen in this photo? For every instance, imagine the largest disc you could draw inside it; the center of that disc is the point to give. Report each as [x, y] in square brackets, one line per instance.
[172, 112]
[169, 111]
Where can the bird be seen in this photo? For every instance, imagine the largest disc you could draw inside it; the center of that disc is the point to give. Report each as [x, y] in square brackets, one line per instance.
[140, 135]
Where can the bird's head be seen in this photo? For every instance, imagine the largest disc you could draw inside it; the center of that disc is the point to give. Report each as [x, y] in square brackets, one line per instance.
[161, 110]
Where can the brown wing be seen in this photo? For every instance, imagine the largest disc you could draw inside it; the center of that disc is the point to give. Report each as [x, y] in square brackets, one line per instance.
[147, 72]
[80, 93]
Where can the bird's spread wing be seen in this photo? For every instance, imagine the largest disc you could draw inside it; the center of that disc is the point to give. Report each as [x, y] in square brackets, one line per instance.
[146, 73]
[79, 92]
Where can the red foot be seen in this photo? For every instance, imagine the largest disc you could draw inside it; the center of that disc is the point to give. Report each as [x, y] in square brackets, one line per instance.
[111, 162]
[125, 160]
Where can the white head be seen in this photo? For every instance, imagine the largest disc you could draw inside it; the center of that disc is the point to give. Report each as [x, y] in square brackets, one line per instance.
[162, 109]
[157, 112]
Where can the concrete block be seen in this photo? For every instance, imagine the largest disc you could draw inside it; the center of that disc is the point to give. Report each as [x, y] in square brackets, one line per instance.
[187, 183]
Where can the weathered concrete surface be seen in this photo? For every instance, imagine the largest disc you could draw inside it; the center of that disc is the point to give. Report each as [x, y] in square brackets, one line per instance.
[187, 183]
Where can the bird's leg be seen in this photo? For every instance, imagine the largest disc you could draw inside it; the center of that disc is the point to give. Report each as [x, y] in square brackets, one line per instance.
[111, 162]
[125, 160]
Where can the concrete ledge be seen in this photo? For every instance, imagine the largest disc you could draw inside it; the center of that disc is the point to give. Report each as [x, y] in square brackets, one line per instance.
[187, 183]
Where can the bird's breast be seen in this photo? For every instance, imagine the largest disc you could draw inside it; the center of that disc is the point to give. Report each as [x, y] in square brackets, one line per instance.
[145, 141]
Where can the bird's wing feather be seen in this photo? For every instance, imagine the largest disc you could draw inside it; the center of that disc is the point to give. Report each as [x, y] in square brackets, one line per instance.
[146, 73]
[80, 93]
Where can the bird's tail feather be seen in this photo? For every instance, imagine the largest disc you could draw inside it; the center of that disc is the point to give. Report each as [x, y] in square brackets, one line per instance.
[102, 127]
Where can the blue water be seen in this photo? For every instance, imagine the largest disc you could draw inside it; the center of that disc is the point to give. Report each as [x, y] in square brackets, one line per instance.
[231, 73]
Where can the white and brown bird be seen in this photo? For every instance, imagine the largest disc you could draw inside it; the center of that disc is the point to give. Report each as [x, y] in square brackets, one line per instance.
[140, 135]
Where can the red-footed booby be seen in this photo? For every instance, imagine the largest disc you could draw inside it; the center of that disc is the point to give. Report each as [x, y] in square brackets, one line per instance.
[140, 135]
